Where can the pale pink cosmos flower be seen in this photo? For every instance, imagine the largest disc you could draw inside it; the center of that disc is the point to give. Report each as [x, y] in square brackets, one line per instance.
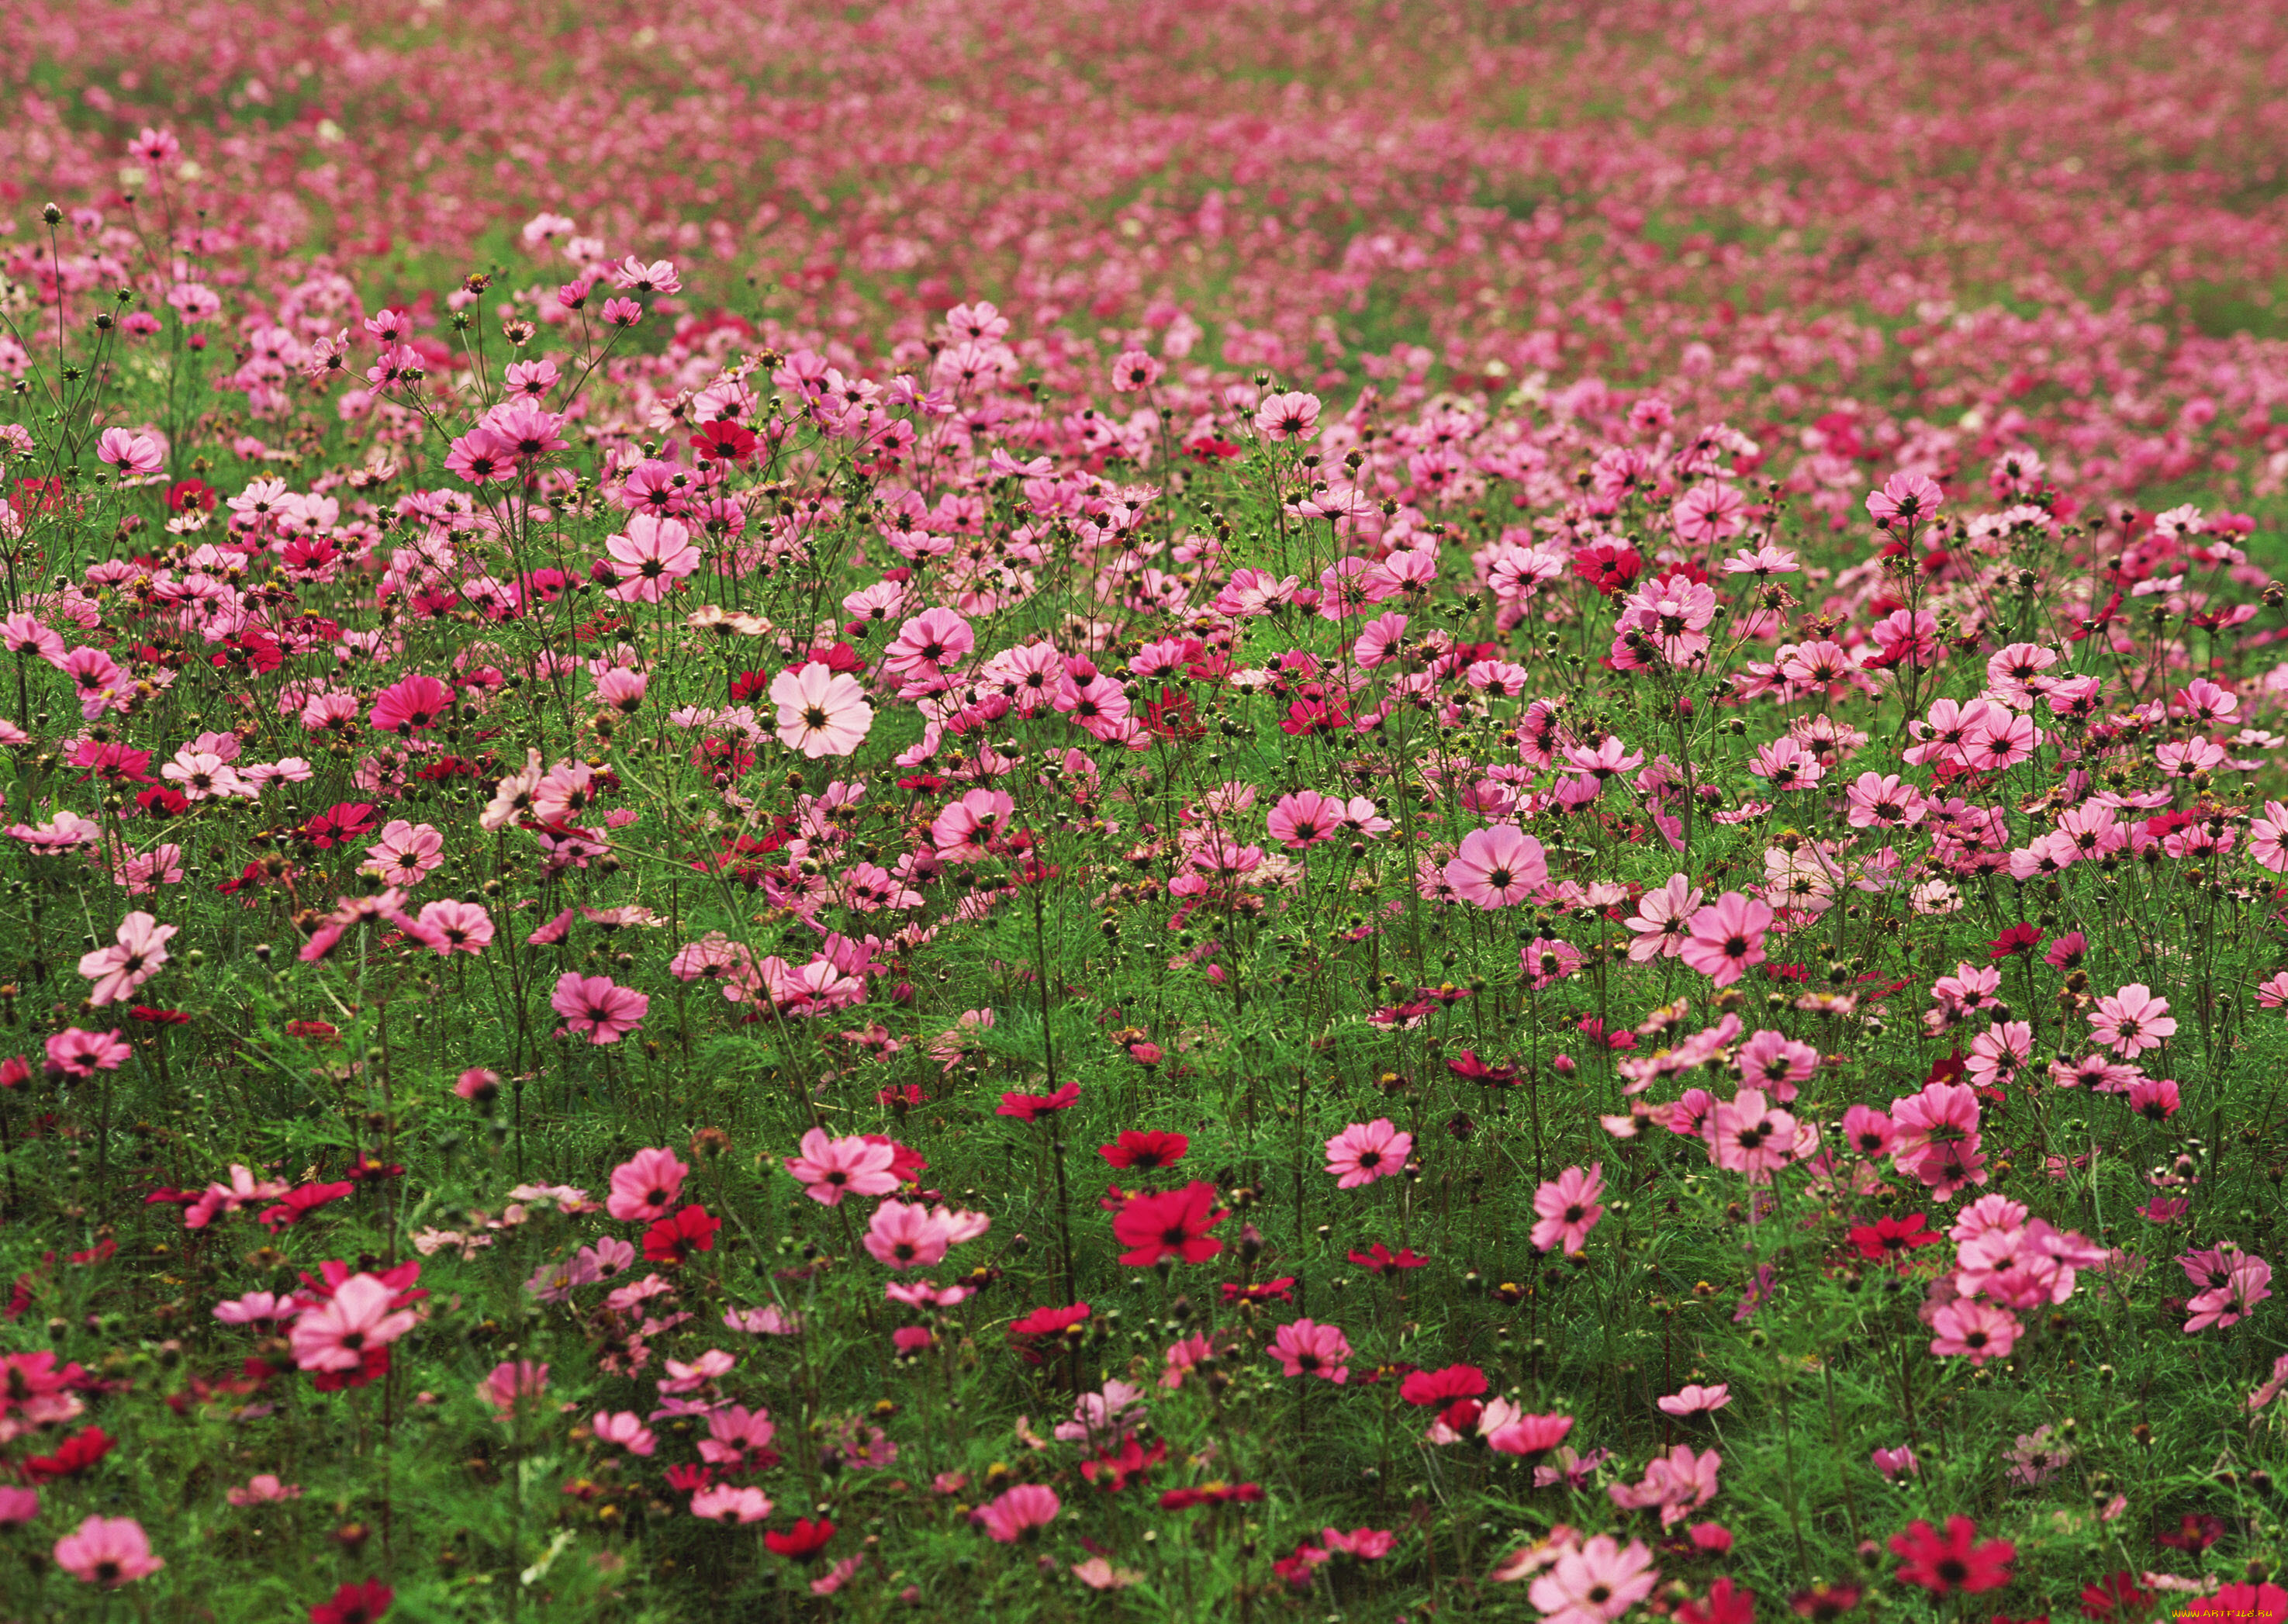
[1679, 1483]
[725, 1504]
[1304, 819]
[263, 1488]
[1710, 513]
[1661, 923]
[928, 643]
[645, 1185]
[822, 712]
[1594, 1583]
[1498, 867]
[1694, 1400]
[1568, 1209]
[1305, 1348]
[1364, 1152]
[1018, 1512]
[133, 959]
[597, 1007]
[649, 557]
[1727, 938]
[108, 1552]
[2131, 1021]
[830, 1168]
[1905, 500]
[1937, 1136]
[131, 452]
[336, 1333]
[407, 853]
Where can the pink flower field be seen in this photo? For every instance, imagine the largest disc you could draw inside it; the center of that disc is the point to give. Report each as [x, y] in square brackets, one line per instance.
[1309, 811]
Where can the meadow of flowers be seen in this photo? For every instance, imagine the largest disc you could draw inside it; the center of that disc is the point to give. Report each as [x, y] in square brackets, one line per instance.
[1049, 811]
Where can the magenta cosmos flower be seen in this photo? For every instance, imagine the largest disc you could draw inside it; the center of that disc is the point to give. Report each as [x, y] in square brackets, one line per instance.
[822, 712]
[1364, 1152]
[1727, 938]
[2131, 1021]
[831, 1168]
[1498, 867]
[108, 1552]
[597, 1006]
[1305, 1348]
[129, 962]
[1568, 1209]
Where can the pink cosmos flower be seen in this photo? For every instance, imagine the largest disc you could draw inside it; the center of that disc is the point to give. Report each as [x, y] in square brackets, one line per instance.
[264, 1488]
[830, 1168]
[1304, 819]
[1727, 938]
[336, 1333]
[512, 1380]
[1710, 513]
[1568, 1209]
[646, 1186]
[1937, 1136]
[1748, 1136]
[822, 712]
[906, 1235]
[108, 1552]
[1694, 1400]
[1018, 1512]
[74, 1052]
[1905, 500]
[1967, 1326]
[1498, 867]
[450, 927]
[1364, 1152]
[1594, 1583]
[1679, 1483]
[1292, 415]
[1305, 1347]
[596, 1006]
[406, 851]
[927, 643]
[117, 970]
[409, 705]
[2131, 1021]
[649, 557]
[2247, 1281]
[131, 452]
[626, 1430]
[1522, 1434]
[1894, 1463]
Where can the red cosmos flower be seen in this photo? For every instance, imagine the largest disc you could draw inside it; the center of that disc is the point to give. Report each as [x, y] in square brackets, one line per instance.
[2193, 1533]
[685, 1479]
[1726, 1604]
[78, 1453]
[1032, 1107]
[2119, 1596]
[1379, 1258]
[1474, 1070]
[1442, 1387]
[1208, 449]
[145, 1013]
[308, 1199]
[1113, 1472]
[159, 802]
[1281, 1290]
[1945, 1563]
[1138, 1148]
[339, 824]
[673, 1241]
[802, 1542]
[2019, 940]
[184, 496]
[1888, 1237]
[1171, 716]
[1042, 1325]
[1211, 1494]
[354, 1604]
[1315, 717]
[724, 441]
[1607, 567]
[1826, 1602]
[1175, 1224]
